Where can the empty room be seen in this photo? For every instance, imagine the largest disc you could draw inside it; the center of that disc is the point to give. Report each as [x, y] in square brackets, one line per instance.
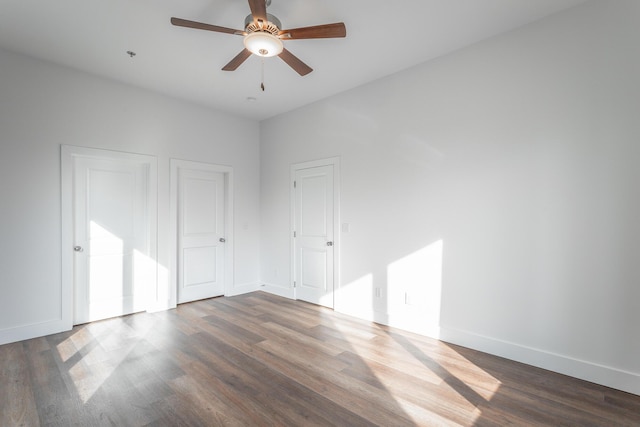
[305, 212]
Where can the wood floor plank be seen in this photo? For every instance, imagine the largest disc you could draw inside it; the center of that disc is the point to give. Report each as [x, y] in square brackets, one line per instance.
[579, 396]
[262, 360]
[303, 355]
[233, 305]
[363, 399]
[233, 393]
[17, 403]
[357, 397]
[202, 404]
[439, 399]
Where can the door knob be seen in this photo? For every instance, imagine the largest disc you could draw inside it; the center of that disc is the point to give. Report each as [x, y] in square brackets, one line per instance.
[78, 248]
[329, 243]
[222, 240]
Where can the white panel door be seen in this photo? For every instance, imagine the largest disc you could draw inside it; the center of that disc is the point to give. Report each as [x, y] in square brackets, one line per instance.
[113, 271]
[201, 238]
[313, 231]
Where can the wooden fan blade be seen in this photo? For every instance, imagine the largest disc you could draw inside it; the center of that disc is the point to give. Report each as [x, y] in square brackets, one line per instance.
[201, 26]
[237, 61]
[295, 63]
[258, 10]
[316, 32]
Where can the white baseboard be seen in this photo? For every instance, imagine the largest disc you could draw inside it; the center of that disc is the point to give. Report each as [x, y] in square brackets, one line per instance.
[35, 330]
[161, 306]
[584, 370]
[278, 290]
[588, 371]
[21, 333]
[244, 288]
[581, 369]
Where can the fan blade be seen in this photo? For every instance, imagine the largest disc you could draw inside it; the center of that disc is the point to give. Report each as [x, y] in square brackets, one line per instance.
[295, 63]
[316, 32]
[201, 26]
[237, 61]
[258, 10]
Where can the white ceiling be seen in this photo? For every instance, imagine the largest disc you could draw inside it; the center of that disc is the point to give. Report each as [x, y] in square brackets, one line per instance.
[383, 37]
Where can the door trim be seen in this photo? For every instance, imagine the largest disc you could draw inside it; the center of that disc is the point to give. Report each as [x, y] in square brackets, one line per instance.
[335, 162]
[175, 165]
[68, 154]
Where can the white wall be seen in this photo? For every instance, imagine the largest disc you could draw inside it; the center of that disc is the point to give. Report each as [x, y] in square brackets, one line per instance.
[497, 185]
[43, 106]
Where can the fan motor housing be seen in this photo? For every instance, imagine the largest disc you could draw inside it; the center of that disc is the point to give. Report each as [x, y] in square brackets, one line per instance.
[273, 26]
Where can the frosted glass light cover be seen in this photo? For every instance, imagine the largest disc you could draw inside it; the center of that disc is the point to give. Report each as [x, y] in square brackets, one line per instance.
[263, 44]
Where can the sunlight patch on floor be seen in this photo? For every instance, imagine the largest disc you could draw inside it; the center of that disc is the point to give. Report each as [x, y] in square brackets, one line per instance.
[66, 350]
[92, 362]
[413, 299]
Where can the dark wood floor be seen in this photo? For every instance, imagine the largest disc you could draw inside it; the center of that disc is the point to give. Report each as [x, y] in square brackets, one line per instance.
[261, 360]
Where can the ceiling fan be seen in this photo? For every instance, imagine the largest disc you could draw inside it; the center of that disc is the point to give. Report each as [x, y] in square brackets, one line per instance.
[263, 36]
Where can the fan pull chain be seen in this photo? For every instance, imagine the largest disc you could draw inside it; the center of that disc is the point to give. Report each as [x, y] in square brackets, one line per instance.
[262, 74]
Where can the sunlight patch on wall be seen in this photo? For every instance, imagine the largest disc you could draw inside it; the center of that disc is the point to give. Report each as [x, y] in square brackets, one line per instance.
[359, 294]
[106, 264]
[327, 300]
[144, 280]
[122, 278]
[108, 272]
[161, 292]
[415, 284]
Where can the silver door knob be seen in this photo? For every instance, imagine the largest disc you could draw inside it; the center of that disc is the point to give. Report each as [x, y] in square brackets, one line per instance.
[329, 243]
[222, 240]
[78, 248]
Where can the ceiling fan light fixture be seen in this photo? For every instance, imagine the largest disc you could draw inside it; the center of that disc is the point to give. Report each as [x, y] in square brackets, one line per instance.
[263, 44]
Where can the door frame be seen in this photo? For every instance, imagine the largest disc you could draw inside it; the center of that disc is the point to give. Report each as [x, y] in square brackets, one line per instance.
[331, 161]
[227, 171]
[68, 155]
